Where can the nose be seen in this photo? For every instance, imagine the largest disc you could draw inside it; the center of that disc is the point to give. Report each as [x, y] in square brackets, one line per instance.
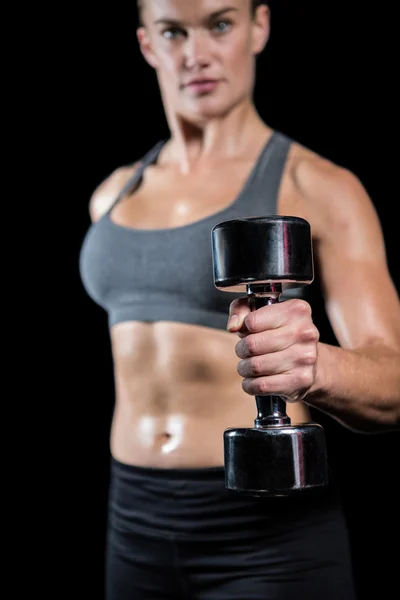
[197, 50]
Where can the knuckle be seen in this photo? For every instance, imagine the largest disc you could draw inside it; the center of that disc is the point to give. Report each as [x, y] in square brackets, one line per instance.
[251, 321]
[313, 334]
[305, 379]
[251, 345]
[262, 386]
[308, 333]
[308, 357]
[256, 366]
[301, 307]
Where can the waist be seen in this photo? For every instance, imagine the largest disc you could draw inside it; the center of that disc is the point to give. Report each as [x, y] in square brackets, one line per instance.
[194, 502]
[188, 433]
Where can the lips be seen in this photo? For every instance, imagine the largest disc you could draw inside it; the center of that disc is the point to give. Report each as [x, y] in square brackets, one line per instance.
[202, 86]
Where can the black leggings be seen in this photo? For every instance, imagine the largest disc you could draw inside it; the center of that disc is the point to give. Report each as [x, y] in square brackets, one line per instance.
[180, 535]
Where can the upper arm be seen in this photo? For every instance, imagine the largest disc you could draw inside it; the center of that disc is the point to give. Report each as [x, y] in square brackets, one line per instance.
[361, 299]
[106, 192]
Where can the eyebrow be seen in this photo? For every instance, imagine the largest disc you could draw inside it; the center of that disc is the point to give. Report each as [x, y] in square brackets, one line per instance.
[213, 15]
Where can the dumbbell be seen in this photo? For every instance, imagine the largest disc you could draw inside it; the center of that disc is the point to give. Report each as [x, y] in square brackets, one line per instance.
[263, 257]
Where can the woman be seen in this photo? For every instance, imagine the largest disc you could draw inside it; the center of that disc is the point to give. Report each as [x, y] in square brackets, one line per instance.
[174, 530]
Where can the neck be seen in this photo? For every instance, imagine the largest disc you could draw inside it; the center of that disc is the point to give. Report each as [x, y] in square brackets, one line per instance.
[194, 144]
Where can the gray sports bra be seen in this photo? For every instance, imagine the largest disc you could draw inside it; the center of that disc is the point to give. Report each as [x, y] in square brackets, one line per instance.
[167, 274]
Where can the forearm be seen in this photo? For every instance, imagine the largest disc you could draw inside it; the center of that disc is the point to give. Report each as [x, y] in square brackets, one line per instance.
[359, 388]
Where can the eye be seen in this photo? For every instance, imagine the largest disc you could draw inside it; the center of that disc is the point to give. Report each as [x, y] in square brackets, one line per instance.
[172, 33]
[222, 26]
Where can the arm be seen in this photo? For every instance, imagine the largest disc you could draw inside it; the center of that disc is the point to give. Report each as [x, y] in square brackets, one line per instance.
[357, 383]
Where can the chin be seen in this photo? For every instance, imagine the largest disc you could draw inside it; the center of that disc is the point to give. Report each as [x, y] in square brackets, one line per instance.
[206, 109]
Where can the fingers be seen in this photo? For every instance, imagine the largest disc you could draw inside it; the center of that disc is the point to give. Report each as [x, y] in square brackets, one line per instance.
[289, 374]
[291, 387]
[276, 315]
[278, 348]
[277, 340]
[242, 319]
[239, 309]
[299, 357]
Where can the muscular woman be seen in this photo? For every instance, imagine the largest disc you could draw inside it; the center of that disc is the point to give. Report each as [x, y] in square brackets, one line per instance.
[183, 372]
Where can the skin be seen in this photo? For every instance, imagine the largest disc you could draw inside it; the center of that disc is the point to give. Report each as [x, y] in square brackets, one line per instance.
[179, 386]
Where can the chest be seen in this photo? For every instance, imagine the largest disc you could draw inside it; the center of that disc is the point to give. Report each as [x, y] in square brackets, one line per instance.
[166, 198]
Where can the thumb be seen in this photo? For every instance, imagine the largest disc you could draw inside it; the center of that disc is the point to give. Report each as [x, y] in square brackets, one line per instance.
[238, 311]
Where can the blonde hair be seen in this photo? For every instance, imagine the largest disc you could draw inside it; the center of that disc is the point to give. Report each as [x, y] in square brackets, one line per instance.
[254, 5]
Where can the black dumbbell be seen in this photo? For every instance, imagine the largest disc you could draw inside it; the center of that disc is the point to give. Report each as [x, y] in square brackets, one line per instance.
[263, 257]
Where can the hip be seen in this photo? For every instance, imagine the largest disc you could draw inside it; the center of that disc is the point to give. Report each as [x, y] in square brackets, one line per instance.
[193, 503]
[175, 530]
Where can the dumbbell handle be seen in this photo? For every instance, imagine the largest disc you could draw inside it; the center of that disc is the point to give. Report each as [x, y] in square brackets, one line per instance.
[271, 409]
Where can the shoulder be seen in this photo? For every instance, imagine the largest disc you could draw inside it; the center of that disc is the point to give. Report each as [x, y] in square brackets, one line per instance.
[105, 193]
[333, 197]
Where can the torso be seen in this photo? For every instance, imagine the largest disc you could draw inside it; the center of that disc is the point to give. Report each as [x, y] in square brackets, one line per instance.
[177, 387]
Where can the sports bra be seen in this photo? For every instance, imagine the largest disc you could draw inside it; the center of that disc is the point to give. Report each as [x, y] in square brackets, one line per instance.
[167, 274]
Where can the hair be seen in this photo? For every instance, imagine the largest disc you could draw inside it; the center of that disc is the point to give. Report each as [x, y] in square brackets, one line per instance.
[254, 5]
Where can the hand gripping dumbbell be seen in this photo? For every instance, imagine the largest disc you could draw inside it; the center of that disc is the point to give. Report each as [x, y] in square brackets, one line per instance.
[263, 257]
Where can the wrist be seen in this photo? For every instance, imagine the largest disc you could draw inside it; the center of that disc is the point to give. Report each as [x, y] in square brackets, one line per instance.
[321, 384]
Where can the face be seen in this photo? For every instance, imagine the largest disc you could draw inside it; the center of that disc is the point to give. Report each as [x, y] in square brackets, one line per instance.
[203, 52]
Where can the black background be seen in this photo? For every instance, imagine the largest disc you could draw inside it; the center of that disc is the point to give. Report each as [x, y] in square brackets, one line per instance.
[327, 78]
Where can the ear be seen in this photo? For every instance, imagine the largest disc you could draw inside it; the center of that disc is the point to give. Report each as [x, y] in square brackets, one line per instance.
[261, 28]
[145, 47]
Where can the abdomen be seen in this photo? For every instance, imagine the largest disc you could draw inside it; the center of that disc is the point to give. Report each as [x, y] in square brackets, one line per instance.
[177, 390]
